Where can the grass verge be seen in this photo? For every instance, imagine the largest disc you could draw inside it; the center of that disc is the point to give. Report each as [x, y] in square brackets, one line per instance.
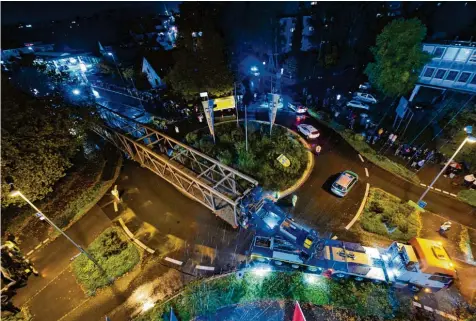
[385, 214]
[113, 252]
[359, 144]
[468, 196]
[204, 298]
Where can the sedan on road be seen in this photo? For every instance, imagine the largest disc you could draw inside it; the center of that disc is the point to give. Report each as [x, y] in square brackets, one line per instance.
[357, 104]
[344, 183]
[309, 131]
[365, 97]
[297, 107]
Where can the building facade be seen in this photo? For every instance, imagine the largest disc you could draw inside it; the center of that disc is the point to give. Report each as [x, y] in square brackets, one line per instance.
[288, 28]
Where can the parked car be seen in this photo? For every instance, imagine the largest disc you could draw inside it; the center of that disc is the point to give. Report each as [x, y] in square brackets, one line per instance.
[344, 183]
[309, 131]
[357, 104]
[297, 107]
[365, 97]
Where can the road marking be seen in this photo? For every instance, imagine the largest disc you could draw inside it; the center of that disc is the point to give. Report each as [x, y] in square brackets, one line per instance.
[173, 261]
[334, 237]
[27, 254]
[361, 208]
[427, 308]
[437, 189]
[417, 304]
[46, 240]
[453, 195]
[423, 184]
[38, 246]
[445, 192]
[440, 313]
[366, 172]
[432, 187]
[360, 156]
[207, 268]
[452, 317]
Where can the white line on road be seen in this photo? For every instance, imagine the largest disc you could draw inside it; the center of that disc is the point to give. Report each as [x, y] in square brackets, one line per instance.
[207, 268]
[46, 240]
[437, 189]
[360, 156]
[173, 261]
[423, 184]
[445, 192]
[453, 195]
[38, 246]
[27, 254]
[440, 313]
[427, 308]
[432, 187]
[361, 208]
[366, 172]
[334, 237]
[417, 304]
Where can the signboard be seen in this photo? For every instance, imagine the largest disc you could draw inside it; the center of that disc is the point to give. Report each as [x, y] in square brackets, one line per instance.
[284, 160]
[402, 107]
[422, 204]
[273, 108]
[223, 103]
[208, 111]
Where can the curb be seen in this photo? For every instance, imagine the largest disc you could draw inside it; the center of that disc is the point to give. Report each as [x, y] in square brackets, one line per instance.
[139, 243]
[435, 311]
[361, 208]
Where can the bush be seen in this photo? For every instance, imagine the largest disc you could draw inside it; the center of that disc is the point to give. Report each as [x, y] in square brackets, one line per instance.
[386, 215]
[468, 196]
[113, 252]
[231, 150]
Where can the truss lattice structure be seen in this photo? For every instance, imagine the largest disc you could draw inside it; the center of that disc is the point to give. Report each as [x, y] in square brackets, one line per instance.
[206, 180]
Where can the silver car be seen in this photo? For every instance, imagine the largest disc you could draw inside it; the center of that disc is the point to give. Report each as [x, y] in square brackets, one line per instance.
[365, 97]
[357, 104]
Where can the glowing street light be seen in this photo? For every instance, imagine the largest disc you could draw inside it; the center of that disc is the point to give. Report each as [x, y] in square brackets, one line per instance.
[76, 92]
[110, 54]
[262, 271]
[469, 139]
[96, 94]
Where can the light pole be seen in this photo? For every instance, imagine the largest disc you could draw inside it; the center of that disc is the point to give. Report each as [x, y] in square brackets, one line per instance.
[15, 193]
[470, 139]
[117, 67]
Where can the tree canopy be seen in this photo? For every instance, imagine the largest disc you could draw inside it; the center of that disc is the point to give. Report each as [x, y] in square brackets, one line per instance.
[398, 57]
[200, 58]
[39, 138]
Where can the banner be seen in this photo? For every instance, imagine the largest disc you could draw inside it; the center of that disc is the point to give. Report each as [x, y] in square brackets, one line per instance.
[298, 315]
[222, 103]
[402, 107]
[208, 111]
[273, 108]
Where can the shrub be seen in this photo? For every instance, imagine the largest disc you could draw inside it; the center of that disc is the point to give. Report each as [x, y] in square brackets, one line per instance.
[113, 252]
[468, 196]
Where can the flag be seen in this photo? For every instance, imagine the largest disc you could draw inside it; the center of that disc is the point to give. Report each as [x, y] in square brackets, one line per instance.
[208, 111]
[298, 315]
[172, 315]
[273, 109]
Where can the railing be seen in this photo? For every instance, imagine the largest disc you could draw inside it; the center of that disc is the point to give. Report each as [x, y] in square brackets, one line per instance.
[206, 180]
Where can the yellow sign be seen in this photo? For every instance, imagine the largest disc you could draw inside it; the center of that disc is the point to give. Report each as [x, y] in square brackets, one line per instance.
[284, 160]
[223, 103]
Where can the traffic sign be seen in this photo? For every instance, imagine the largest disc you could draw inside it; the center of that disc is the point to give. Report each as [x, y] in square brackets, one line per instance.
[284, 160]
[422, 204]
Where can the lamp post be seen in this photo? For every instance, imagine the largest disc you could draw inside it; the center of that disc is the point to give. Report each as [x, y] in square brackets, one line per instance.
[470, 139]
[15, 193]
[117, 67]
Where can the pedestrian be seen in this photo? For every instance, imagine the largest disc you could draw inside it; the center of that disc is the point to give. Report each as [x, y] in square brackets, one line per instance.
[318, 150]
[469, 180]
[375, 139]
[445, 227]
[390, 137]
[420, 164]
[380, 132]
[393, 139]
[399, 148]
[414, 163]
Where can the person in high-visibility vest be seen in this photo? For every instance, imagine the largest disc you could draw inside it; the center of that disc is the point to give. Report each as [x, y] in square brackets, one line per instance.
[318, 150]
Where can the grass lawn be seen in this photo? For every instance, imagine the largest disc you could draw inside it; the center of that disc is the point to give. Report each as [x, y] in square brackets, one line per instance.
[204, 298]
[386, 215]
[468, 196]
[114, 253]
[359, 144]
[260, 161]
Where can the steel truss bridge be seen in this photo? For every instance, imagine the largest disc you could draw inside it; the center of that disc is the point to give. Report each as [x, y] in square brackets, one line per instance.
[204, 179]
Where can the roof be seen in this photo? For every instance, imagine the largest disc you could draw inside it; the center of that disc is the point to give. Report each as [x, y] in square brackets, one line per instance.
[433, 257]
[52, 55]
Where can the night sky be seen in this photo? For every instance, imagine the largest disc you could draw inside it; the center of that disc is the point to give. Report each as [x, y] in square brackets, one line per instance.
[32, 11]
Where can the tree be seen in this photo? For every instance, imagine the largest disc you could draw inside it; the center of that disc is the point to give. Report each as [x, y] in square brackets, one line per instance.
[39, 138]
[105, 67]
[200, 59]
[398, 57]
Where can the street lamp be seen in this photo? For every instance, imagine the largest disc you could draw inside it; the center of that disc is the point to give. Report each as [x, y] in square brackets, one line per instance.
[117, 67]
[468, 139]
[76, 92]
[16, 193]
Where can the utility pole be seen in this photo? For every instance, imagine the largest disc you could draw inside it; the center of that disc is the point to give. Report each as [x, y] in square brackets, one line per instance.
[236, 108]
[246, 128]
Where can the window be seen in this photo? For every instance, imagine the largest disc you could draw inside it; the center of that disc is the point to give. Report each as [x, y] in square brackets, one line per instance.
[464, 77]
[440, 73]
[452, 75]
[463, 54]
[473, 57]
[438, 52]
[450, 53]
[292, 29]
[429, 72]
[440, 278]
[428, 48]
[473, 81]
